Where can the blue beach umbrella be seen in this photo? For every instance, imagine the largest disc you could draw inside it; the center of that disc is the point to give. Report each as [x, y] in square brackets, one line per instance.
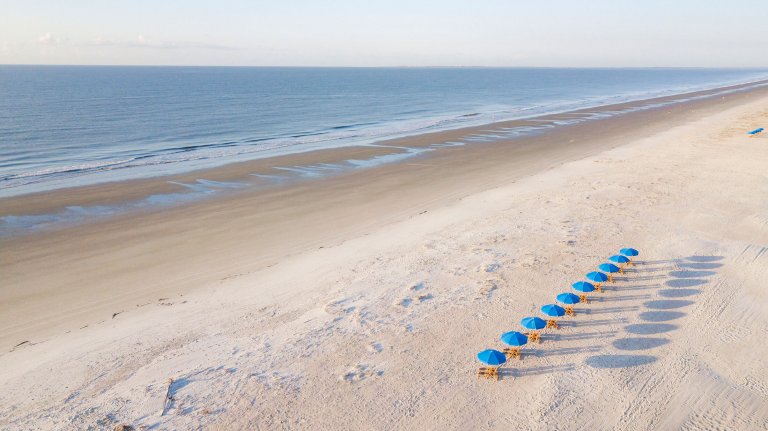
[514, 338]
[619, 259]
[553, 310]
[609, 268]
[491, 357]
[583, 286]
[568, 298]
[756, 131]
[597, 277]
[629, 252]
[534, 323]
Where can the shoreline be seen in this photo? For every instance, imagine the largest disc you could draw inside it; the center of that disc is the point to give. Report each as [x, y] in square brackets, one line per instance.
[84, 176]
[266, 314]
[93, 202]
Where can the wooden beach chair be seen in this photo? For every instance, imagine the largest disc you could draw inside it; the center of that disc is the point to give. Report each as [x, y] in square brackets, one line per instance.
[598, 289]
[512, 352]
[569, 311]
[489, 372]
[583, 299]
[552, 324]
[534, 337]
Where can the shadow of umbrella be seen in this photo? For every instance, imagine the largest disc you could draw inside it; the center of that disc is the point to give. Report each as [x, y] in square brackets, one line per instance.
[691, 274]
[660, 316]
[619, 361]
[685, 282]
[650, 328]
[667, 304]
[639, 343]
[704, 258]
[700, 265]
[678, 293]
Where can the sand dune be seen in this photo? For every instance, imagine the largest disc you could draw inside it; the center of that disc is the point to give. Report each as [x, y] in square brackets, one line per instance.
[381, 331]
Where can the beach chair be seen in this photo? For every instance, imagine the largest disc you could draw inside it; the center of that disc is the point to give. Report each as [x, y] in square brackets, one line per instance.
[489, 372]
[569, 311]
[552, 324]
[512, 352]
[583, 299]
[534, 337]
[598, 288]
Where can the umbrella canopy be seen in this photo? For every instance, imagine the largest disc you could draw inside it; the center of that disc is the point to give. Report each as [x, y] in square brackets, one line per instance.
[514, 338]
[629, 252]
[568, 298]
[553, 310]
[756, 131]
[608, 267]
[583, 286]
[619, 259]
[491, 357]
[597, 277]
[533, 323]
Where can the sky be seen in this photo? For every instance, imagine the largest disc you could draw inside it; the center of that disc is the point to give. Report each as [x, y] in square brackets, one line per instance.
[495, 33]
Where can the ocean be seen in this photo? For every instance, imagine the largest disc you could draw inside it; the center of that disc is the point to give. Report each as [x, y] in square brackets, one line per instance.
[63, 126]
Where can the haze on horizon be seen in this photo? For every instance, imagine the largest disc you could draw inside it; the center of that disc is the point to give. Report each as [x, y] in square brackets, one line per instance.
[496, 33]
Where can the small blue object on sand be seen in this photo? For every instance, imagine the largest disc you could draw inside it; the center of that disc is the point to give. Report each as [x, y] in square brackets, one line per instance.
[755, 132]
[533, 323]
[491, 357]
[515, 339]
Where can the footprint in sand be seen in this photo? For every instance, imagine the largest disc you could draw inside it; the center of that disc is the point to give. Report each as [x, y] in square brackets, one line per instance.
[361, 372]
[425, 297]
[487, 289]
[405, 302]
[408, 301]
[418, 286]
[339, 307]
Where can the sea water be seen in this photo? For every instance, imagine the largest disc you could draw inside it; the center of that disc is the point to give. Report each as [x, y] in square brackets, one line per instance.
[63, 126]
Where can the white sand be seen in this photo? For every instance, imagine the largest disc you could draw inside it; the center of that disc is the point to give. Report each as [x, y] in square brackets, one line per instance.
[380, 332]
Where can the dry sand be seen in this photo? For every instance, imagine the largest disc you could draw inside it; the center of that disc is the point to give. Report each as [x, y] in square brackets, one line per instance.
[380, 330]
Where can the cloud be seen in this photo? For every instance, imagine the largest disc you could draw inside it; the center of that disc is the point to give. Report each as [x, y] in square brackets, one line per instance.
[47, 39]
[143, 42]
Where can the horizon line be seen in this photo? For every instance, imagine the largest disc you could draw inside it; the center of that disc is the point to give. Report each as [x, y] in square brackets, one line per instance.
[382, 66]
